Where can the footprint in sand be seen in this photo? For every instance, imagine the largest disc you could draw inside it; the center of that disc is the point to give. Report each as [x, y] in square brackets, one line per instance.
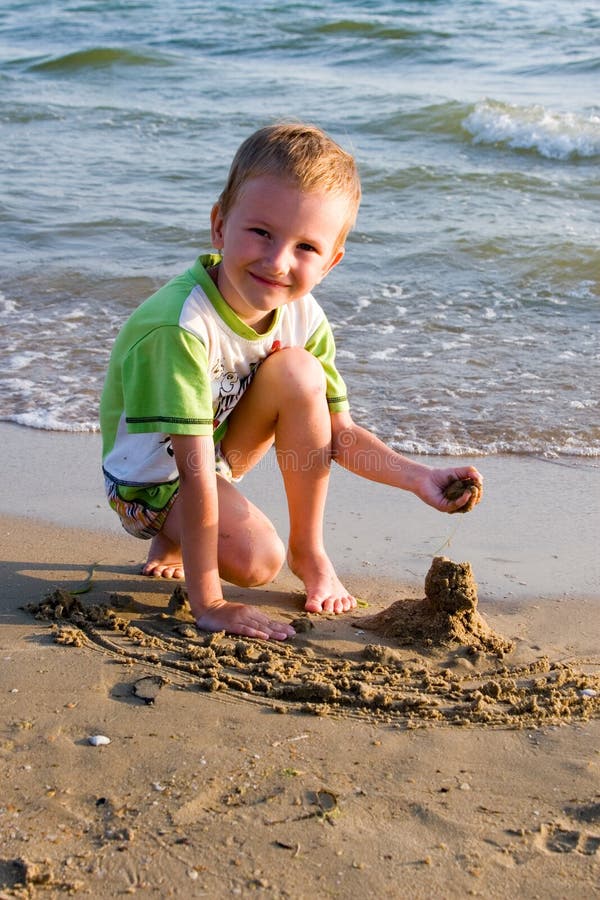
[556, 839]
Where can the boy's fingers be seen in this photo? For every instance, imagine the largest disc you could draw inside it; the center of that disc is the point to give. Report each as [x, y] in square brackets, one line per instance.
[462, 494]
[245, 622]
[274, 630]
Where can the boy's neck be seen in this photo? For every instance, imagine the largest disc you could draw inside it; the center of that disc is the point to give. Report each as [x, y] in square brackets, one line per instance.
[262, 326]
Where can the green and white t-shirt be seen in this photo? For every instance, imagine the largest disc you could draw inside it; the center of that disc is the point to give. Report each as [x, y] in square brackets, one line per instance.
[179, 366]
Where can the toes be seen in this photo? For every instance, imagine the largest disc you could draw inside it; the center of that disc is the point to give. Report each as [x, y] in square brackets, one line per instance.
[172, 572]
[314, 606]
[344, 604]
[335, 605]
[160, 570]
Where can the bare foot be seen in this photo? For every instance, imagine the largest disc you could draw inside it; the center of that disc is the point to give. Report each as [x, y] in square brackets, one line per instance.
[164, 559]
[237, 618]
[325, 593]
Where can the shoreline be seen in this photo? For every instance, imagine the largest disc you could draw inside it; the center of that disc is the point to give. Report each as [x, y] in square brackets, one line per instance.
[534, 533]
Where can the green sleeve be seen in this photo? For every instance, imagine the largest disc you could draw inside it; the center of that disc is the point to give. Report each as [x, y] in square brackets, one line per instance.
[166, 384]
[322, 345]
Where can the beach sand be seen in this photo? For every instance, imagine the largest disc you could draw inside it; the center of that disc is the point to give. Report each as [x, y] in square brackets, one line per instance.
[341, 764]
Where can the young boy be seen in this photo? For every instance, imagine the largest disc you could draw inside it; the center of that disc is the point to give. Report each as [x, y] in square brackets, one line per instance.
[231, 357]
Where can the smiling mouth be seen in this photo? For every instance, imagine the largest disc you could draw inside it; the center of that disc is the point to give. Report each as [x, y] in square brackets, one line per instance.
[262, 279]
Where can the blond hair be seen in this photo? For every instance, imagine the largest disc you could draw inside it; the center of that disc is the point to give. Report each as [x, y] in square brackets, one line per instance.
[302, 154]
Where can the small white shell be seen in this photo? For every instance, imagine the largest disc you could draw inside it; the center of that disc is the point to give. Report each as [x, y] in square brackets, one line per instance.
[98, 740]
[588, 692]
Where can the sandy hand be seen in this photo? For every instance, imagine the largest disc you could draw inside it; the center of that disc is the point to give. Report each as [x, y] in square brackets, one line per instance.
[459, 490]
[237, 618]
[451, 490]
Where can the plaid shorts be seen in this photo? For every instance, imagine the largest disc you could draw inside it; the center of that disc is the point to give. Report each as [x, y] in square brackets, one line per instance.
[144, 521]
[136, 516]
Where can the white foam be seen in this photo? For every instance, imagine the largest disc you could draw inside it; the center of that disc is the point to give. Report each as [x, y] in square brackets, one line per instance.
[21, 360]
[554, 135]
[452, 345]
[7, 306]
[583, 404]
[23, 385]
[48, 421]
[392, 290]
[386, 354]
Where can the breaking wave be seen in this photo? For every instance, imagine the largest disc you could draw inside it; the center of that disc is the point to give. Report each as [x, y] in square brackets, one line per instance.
[554, 135]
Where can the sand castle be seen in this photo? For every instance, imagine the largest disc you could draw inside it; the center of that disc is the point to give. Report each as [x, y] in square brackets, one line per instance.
[447, 615]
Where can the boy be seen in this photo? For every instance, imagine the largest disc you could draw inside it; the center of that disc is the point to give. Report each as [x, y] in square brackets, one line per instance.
[231, 357]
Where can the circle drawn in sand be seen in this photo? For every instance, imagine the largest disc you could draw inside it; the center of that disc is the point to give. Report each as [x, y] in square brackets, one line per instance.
[458, 685]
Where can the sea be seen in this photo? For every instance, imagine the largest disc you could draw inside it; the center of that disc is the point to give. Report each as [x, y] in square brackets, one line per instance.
[467, 309]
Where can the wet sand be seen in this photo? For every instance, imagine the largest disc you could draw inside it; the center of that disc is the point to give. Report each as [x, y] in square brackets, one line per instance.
[344, 763]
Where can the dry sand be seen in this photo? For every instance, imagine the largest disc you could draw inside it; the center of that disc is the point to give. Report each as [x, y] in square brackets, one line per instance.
[342, 764]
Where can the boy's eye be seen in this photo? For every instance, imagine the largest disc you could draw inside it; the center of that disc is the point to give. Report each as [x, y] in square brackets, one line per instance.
[308, 247]
[262, 232]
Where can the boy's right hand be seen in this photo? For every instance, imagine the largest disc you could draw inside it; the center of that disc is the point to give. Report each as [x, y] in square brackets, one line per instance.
[237, 618]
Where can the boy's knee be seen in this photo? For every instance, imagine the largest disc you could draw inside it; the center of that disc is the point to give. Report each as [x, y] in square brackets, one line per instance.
[297, 369]
[265, 570]
[263, 566]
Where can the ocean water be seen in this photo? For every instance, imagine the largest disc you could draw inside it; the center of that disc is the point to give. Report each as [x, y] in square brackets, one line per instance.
[467, 309]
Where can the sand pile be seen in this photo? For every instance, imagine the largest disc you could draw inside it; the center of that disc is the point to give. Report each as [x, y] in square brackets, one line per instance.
[448, 614]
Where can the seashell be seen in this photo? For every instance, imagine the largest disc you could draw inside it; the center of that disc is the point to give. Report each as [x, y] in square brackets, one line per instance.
[98, 740]
[588, 692]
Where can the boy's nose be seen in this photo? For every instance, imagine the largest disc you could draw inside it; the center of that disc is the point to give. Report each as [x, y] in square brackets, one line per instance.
[278, 259]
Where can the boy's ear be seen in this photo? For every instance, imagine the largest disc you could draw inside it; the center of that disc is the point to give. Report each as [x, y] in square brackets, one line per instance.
[335, 259]
[216, 227]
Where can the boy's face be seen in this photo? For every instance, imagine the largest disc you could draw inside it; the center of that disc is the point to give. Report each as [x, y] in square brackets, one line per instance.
[278, 243]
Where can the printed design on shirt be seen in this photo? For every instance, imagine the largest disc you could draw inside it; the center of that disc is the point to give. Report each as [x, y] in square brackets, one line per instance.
[168, 445]
[231, 387]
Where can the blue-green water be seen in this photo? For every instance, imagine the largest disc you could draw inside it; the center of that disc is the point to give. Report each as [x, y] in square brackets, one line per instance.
[467, 308]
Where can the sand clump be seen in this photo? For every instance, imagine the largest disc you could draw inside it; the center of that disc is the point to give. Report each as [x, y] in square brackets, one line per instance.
[456, 489]
[448, 614]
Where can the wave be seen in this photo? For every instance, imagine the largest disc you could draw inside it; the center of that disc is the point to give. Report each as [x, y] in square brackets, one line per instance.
[98, 58]
[47, 421]
[561, 448]
[440, 118]
[557, 447]
[553, 135]
[570, 448]
[378, 31]
[578, 66]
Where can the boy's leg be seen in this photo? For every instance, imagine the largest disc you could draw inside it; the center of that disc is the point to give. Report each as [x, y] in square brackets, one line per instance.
[286, 402]
[250, 550]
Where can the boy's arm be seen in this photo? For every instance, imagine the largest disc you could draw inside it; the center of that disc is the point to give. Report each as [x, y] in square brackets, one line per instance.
[358, 450]
[199, 528]
[199, 512]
